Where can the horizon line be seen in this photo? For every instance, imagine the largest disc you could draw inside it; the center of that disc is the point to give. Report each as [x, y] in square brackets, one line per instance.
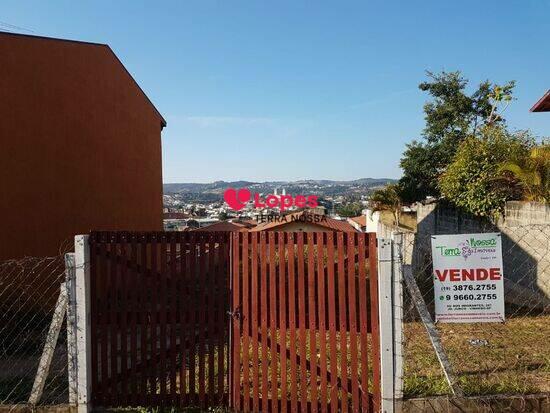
[277, 180]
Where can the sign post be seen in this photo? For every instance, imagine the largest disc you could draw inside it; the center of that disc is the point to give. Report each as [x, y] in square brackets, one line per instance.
[468, 278]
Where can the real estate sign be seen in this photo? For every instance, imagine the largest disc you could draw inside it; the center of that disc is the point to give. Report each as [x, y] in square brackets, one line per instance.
[468, 278]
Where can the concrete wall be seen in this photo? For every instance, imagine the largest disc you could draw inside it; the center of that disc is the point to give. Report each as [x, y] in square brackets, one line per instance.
[80, 146]
[525, 230]
[526, 213]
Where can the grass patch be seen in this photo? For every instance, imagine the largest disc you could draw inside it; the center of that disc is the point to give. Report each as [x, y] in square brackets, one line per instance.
[513, 359]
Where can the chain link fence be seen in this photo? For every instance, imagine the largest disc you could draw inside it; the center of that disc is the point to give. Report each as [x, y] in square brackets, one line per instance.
[486, 358]
[29, 291]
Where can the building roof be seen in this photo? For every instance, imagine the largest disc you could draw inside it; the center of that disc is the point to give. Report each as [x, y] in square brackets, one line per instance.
[90, 44]
[324, 224]
[224, 226]
[360, 220]
[543, 105]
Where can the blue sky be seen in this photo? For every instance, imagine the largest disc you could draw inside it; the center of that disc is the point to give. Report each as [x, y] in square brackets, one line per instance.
[277, 90]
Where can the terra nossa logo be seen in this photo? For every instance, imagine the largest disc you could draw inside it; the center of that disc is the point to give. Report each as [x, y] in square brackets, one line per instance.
[238, 198]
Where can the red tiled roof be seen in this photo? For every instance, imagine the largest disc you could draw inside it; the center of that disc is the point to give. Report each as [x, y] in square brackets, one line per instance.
[325, 224]
[360, 220]
[543, 105]
[223, 226]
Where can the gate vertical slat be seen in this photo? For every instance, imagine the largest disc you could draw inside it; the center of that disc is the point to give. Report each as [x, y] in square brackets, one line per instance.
[194, 301]
[173, 289]
[202, 309]
[220, 299]
[246, 303]
[341, 276]
[292, 323]
[144, 320]
[273, 324]
[352, 302]
[163, 305]
[263, 321]
[235, 309]
[282, 319]
[216, 367]
[133, 315]
[302, 321]
[322, 321]
[155, 320]
[123, 291]
[332, 324]
[363, 321]
[312, 324]
[184, 299]
[209, 311]
[113, 321]
[373, 287]
[254, 336]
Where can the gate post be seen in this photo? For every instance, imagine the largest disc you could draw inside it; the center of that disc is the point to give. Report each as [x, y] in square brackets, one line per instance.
[385, 324]
[397, 306]
[390, 302]
[71, 327]
[83, 318]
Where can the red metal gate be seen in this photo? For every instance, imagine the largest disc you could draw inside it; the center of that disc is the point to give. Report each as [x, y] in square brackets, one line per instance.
[304, 311]
[303, 306]
[159, 321]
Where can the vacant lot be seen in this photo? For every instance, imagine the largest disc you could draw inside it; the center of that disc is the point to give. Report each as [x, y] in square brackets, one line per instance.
[508, 358]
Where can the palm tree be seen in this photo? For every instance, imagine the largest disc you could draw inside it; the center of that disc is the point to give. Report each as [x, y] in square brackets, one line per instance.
[388, 199]
[532, 173]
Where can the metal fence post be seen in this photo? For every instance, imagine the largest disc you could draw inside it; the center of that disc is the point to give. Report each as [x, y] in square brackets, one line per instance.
[83, 339]
[386, 324]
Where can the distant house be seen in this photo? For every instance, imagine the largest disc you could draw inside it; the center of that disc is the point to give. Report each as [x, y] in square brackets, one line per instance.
[80, 145]
[543, 104]
[303, 221]
[175, 215]
[359, 223]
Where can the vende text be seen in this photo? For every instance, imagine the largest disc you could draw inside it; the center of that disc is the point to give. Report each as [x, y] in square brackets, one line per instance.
[474, 274]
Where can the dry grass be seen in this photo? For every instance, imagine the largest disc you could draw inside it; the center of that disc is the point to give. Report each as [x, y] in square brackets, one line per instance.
[515, 358]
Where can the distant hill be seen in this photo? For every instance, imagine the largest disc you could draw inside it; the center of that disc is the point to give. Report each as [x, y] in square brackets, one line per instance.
[195, 187]
[211, 192]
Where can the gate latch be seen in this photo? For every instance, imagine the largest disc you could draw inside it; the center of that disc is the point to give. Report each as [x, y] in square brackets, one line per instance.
[235, 314]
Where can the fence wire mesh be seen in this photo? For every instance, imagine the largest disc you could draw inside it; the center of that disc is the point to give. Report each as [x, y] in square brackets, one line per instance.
[29, 290]
[487, 358]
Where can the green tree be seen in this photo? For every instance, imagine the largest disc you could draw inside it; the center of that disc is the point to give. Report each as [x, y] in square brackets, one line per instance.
[388, 199]
[222, 216]
[451, 116]
[350, 209]
[473, 181]
[532, 173]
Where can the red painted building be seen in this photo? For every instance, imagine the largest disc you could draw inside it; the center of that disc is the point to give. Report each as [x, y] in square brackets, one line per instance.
[80, 146]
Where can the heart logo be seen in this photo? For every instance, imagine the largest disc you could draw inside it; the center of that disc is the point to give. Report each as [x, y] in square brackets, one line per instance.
[236, 199]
